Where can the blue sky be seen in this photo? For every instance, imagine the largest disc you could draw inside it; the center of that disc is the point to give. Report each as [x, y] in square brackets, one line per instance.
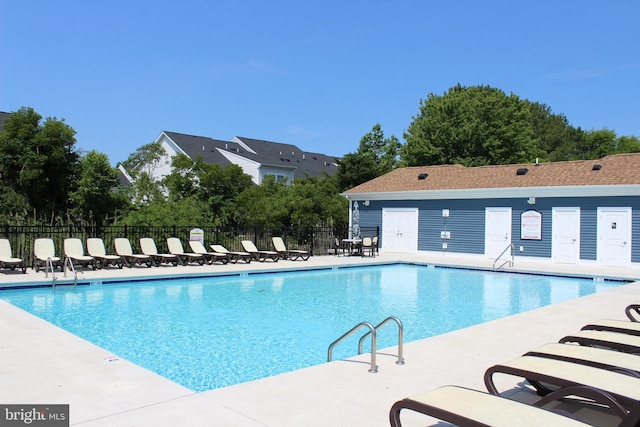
[315, 74]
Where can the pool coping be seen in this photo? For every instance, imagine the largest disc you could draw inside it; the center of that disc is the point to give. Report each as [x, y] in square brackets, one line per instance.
[104, 393]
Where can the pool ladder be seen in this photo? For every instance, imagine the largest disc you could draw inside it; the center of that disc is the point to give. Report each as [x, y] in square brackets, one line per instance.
[67, 262]
[373, 333]
[508, 261]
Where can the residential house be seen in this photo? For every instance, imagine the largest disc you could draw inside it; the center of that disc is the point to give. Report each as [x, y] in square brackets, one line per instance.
[257, 158]
[576, 212]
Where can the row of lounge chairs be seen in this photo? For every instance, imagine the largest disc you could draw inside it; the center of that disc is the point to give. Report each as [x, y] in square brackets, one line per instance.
[598, 365]
[97, 257]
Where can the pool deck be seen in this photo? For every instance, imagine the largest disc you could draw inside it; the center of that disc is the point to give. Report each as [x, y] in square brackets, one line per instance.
[42, 364]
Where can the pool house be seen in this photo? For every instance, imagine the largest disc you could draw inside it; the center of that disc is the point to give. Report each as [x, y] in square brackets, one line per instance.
[575, 212]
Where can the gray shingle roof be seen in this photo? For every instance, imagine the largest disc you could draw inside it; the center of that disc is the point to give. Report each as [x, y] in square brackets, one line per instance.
[288, 155]
[264, 152]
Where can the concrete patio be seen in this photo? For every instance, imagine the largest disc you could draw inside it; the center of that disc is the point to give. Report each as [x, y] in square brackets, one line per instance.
[44, 364]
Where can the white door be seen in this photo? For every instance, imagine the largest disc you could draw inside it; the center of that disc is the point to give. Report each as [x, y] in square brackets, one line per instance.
[400, 230]
[497, 231]
[565, 229]
[614, 236]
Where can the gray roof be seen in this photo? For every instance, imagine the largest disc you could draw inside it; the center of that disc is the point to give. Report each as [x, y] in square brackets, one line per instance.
[264, 152]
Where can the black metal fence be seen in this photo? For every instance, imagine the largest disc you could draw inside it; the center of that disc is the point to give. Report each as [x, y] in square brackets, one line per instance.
[317, 240]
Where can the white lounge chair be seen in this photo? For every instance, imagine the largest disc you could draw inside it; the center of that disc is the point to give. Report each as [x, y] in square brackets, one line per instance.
[211, 257]
[291, 254]
[257, 254]
[233, 255]
[7, 260]
[148, 247]
[470, 408]
[95, 248]
[44, 252]
[124, 250]
[175, 247]
[74, 252]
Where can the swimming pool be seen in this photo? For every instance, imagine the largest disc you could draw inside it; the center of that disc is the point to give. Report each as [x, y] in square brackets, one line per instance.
[211, 332]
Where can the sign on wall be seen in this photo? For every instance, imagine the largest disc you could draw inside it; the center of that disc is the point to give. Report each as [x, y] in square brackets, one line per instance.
[531, 225]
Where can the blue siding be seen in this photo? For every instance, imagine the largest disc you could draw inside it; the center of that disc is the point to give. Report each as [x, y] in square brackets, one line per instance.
[466, 222]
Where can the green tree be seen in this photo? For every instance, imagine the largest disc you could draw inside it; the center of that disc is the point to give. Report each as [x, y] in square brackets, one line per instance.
[263, 205]
[38, 161]
[98, 194]
[315, 201]
[184, 212]
[141, 165]
[557, 139]
[384, 151]
[376, 155]
[473, 126]
[213, 185]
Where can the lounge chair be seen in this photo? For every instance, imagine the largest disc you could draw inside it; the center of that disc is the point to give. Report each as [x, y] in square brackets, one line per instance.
[257, 254]
[211, 257]
[95, 248]
[542, 371]
[7, 260]
[175, 247]
[124, 250]
[465, 407]
[74, 252]
[367, 246]
[633, 311]
[619, 326]
[291, 254]
[612, 340]
[591, 356]
[233, 256]
[44, 252]
[148, 247]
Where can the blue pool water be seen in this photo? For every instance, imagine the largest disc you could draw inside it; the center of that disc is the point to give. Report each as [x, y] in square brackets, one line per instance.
[212, 332]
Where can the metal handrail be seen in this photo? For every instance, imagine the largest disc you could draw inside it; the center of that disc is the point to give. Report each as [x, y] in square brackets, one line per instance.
[69, 261]
[374, 367]
[49, 265]
[502, 253]
[398, 322]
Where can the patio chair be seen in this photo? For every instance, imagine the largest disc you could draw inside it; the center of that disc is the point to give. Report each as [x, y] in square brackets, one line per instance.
[148, 247]
[291, 254]
[7, 260]
[124, 251]
[540, 372]
[74, 252]
[175, 247]
[257, 254]
[591, 356]
[633, 311]
[211, 257]
[339, 248]
[95, 248]
[374, 241]
[619, 326]
[367, 246]
[627, 343]
[233, 256]
[44, 252]
[466, 407]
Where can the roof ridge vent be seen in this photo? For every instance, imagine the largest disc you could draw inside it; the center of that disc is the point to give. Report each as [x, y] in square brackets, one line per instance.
[522, 171]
